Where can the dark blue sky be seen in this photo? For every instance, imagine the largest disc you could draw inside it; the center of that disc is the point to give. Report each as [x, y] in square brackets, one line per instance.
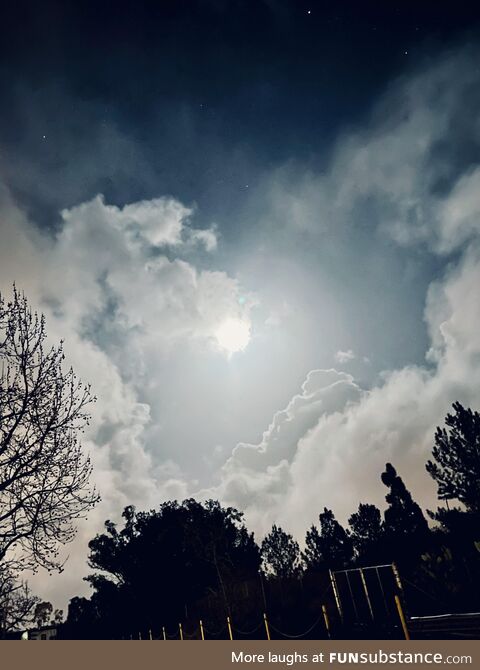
[207, 96]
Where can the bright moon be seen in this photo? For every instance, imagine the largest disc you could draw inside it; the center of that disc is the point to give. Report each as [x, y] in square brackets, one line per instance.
[233, 335]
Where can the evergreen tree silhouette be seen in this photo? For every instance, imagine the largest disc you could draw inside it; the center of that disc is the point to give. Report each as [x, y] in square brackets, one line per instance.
[405, 525]
[368, 534]
[280, 554]
[313, 556]
[456, 458]
[331, 548]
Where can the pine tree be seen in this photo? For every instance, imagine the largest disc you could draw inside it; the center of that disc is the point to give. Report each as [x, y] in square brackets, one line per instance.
[405, 524]
[456, 454]
[280, 554]
[312, 556]
[337, 546]
[331, 547]
[368, 533]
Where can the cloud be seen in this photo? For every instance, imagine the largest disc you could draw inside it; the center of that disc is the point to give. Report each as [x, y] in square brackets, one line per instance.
[344, 356]
[410, 171]
[109, 289]
[410, 176]
[256, 477]
[331, 442]
[206, 237]
[114, 259]
[160, 221]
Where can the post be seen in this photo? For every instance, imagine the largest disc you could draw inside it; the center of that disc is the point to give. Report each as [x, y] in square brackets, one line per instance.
[327, 622]
[139, 635]
[402, 617]
[164, 633]
[267, 629]
[181, 630]
[351, 594]
[336, 594]
[383, 593]
[229, 624]
[396, 574]
[201, 630]
[150, 634]
[263, 590]
[367, 595]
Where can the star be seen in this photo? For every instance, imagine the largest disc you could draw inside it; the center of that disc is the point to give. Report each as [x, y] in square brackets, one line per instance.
[309, 11]
[44, 137]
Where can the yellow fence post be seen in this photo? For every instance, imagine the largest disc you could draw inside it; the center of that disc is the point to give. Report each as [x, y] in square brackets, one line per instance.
[327, 622]
[336, 594]
[229, 624]
[367, 595]
[267, 629]
[164, 633]
[396, 574]
[201, 630]
[402, 617]
[181, 630]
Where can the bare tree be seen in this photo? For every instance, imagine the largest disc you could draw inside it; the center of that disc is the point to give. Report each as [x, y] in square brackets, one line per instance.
[44, 476]
[17, 604]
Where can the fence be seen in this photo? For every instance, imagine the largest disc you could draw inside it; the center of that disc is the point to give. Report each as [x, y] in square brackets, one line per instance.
[371, 602]
[342, 603]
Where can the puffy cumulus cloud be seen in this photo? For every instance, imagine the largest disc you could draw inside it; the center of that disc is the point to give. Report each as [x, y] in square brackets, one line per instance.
[158, 222]
[115, 274]
[344, 356]
[206, 237]
[257, 477]
[110, 291]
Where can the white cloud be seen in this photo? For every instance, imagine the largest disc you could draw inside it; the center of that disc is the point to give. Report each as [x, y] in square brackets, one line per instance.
[160, 221]
[121, 305]
[459, 213]
[344, 356]
[207, 237]
[256, 477]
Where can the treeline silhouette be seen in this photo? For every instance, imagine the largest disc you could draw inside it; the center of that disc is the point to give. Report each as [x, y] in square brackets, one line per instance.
[188, 561]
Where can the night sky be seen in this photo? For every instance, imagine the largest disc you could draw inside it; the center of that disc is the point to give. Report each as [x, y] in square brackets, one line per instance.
[256, 226]
[200, 100]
